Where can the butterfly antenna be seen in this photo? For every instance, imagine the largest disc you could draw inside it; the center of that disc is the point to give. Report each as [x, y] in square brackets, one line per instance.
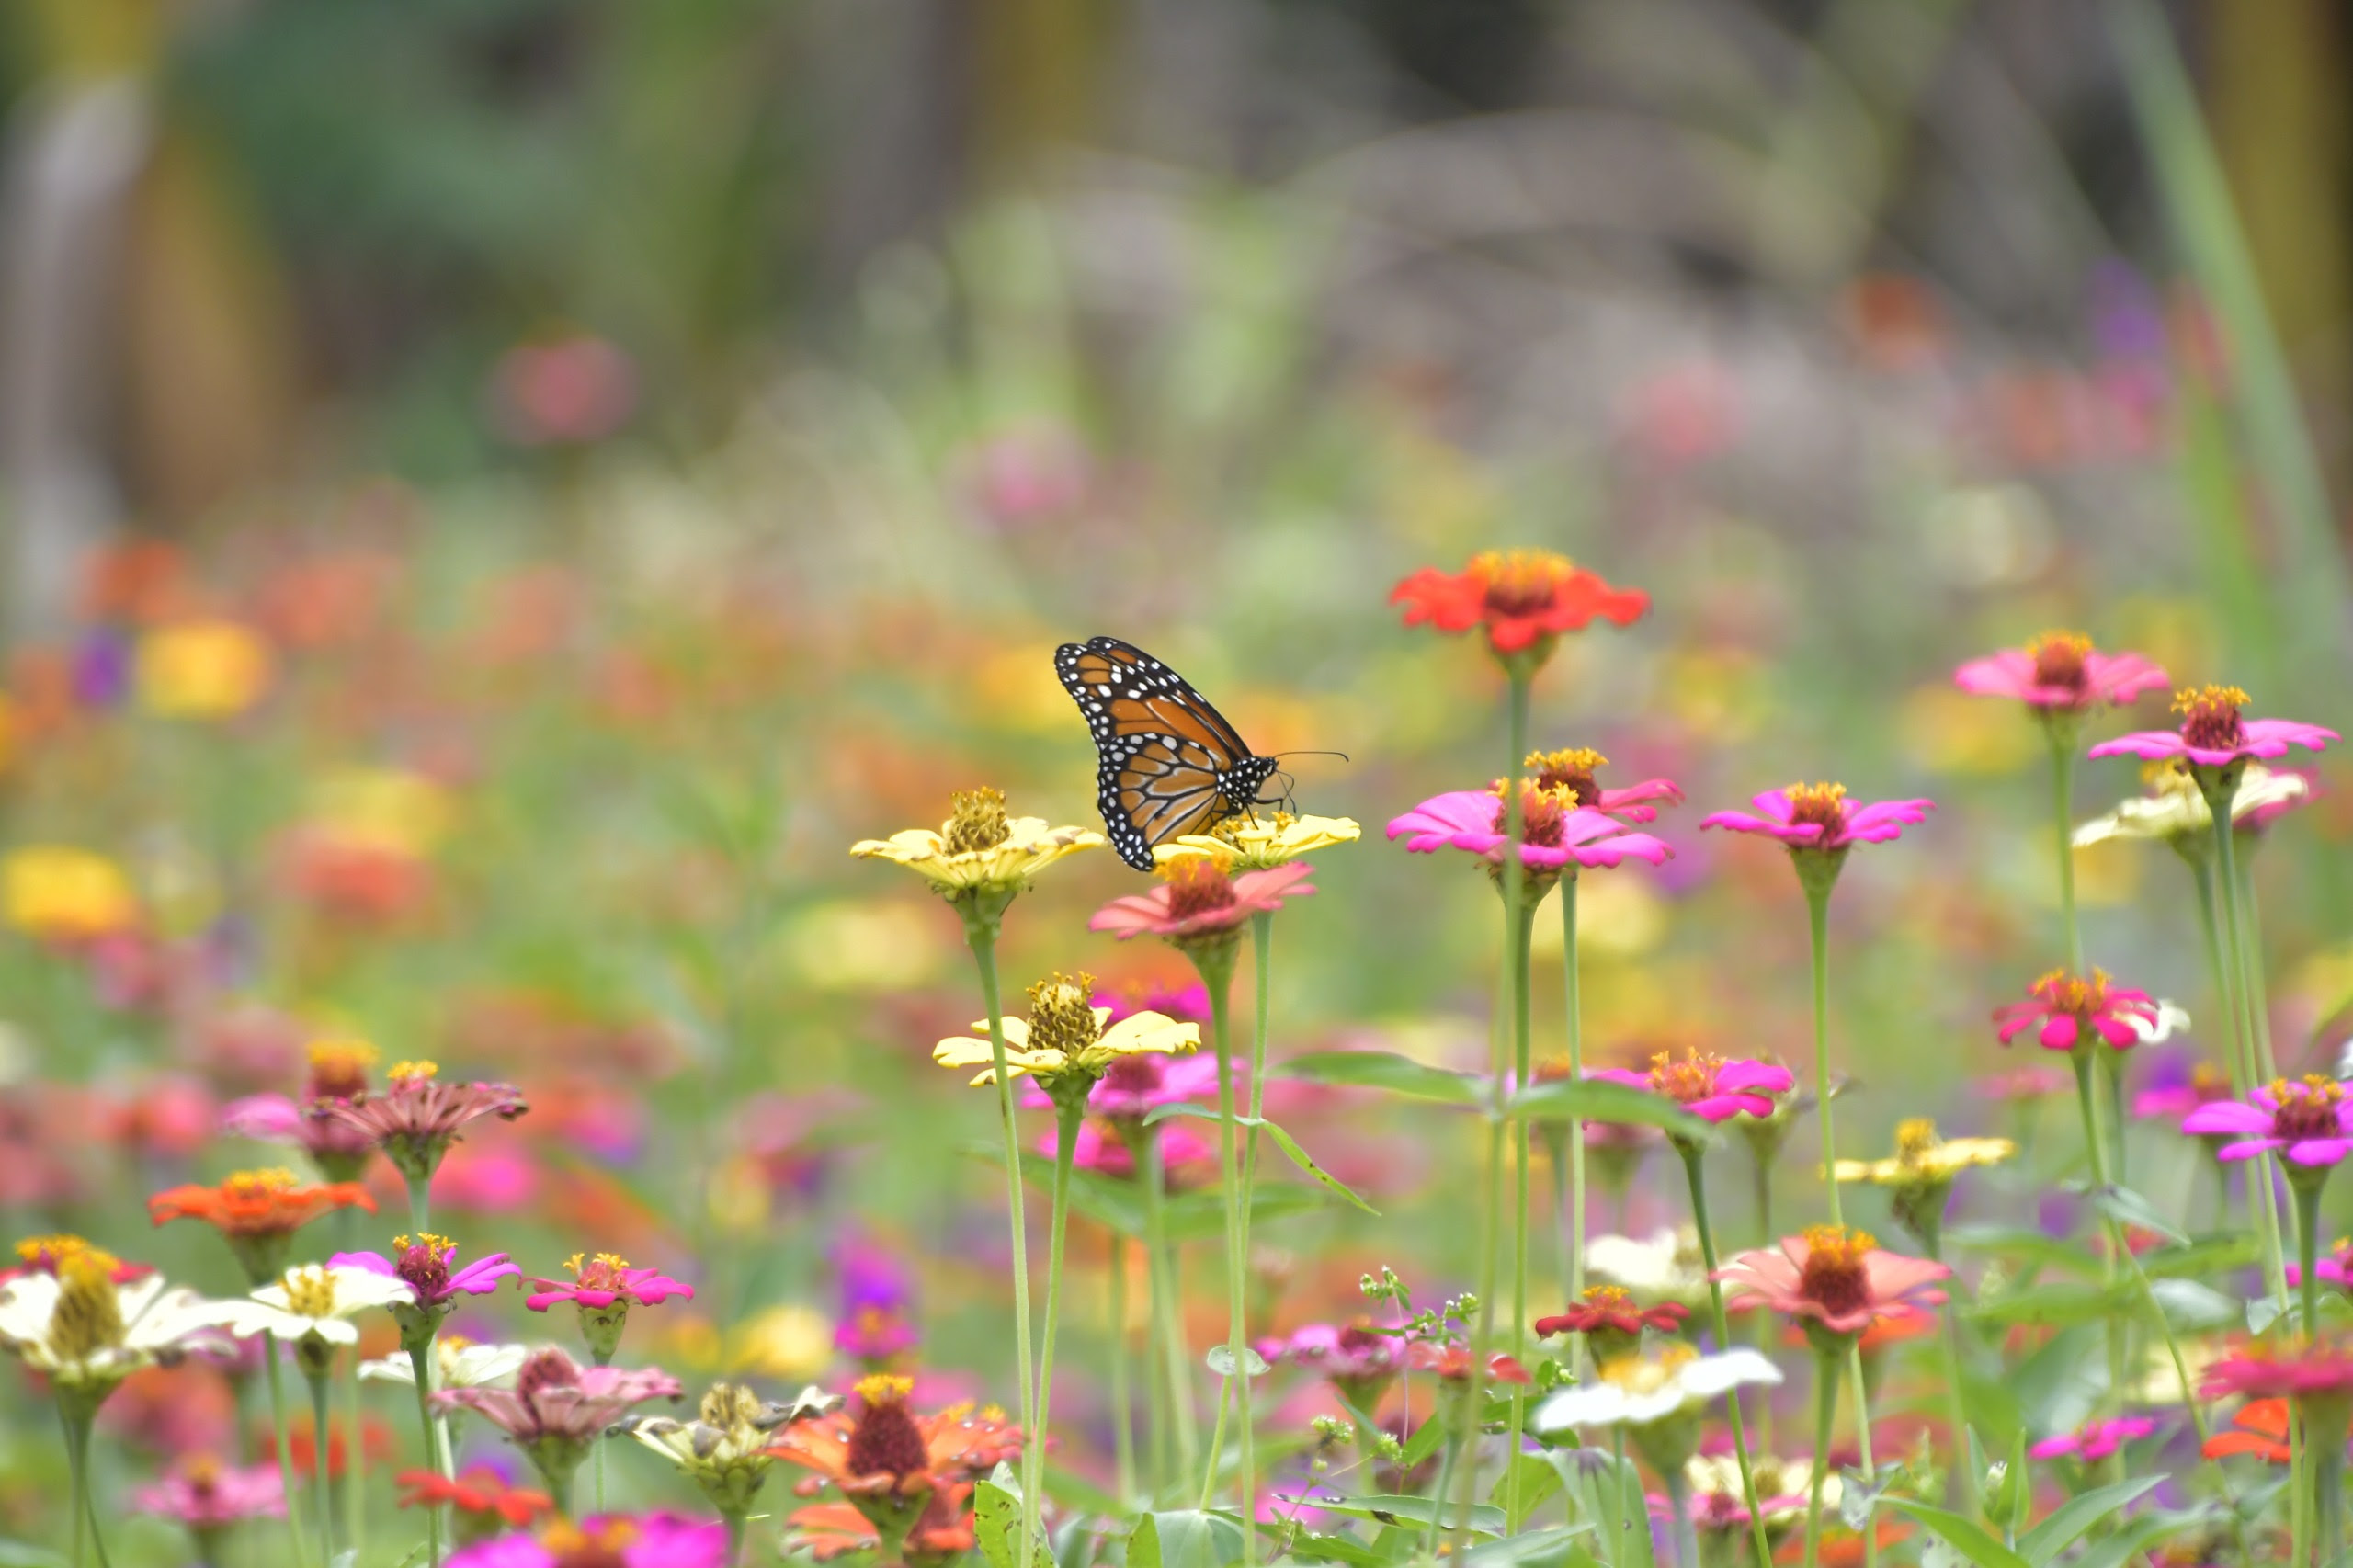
[1341, 755]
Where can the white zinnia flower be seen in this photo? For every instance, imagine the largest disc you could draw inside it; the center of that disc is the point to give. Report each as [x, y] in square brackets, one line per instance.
[1638, 1390]
[2178, 811]
[314, 1302]
[459, 1363]
[82, 1329]
[1667, 1266]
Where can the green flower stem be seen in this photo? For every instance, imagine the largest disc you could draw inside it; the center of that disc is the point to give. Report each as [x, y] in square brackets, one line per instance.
[2062, 821]
[1863, 1439]
[1617, 1478]
[321, 1440]
[1123, 1415]
[735, 1521]
[1522, 1032]
[2306, 1193]
[1961, 1485]
[277, 1379]
[1826, 1410]
[2241, 967]
[2324, 1424]
[1573, 1007]
[355, 1495]
[420, 1365]
[2245, 1072]
[1817, 915]
[1678, 1501]
[1691, 1153]
[87, 1538]
[1511, 879]
[2256, 989]
[1167, 1322]
[1068, 1114]
[980, 935]
[1215, 965]
[1763, 1168]
[1217, 1446]
[2081, 1057]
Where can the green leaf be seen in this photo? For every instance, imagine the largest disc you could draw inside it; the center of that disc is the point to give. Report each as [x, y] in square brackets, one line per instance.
[996, 1520]
[1187, 1537]
[2218, 1255]
[2127, 1207]
[1423, 1443]
[1567, 1101]
[2076, 1515]
[1484, 1520]
[1283, 1140]
[1313, 1546]
[2012, 1242]
[1383, 1070]
[1546, 1547]
[1537, 1480]
[1967, 1537]
[2188, 1305]
[1622, 1536]
[2051, 1305]
[2137, 1536]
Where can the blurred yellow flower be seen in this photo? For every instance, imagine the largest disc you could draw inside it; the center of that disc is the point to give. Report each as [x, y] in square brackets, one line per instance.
[791, 1341]
[979, 848]
[1259, 843]
[382, 808]
[1620, 917]
[62, 895]
[203, 669]
[1064, 1036]
[863, 945]
[1923, 1159]
[7, 732]
[1952, 732]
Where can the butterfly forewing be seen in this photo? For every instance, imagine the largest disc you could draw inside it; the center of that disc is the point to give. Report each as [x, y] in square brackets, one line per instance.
[1170, 764]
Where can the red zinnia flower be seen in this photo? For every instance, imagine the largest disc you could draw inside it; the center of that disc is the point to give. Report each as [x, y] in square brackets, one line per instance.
[1524, 599]
[480, 1490]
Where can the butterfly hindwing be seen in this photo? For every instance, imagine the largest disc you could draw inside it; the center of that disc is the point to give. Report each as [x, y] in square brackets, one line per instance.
[1170, 764]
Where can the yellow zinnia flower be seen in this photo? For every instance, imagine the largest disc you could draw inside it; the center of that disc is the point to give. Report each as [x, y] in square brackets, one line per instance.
[1252, 844]
[979, 849]
[1923, 1159]
[62, 895]
[1064, 1037]
[203, 669]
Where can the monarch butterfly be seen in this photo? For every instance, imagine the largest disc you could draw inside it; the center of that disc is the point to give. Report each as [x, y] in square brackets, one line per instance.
[1170, 764]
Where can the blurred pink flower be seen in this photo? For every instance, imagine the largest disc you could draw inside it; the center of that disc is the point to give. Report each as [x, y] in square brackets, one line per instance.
[204, 1494]
[566, 393]
[2094, 1440]
[1099, 1149]
[2061, 672]
[2310, 1122]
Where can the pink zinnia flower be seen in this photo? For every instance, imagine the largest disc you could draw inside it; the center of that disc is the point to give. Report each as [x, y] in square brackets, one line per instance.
[1197, 898]
[1820, 817]
[1136, 1085]
[2311, 1120]
[1553, 837]
[1099, 1149]
[427, 1265]
[2319, 1368]
[2061, 672]
[2214, 734]
[416, 1117]
[1834, 1277]
[1572, 773]
[1358, 1358]
[2019, 1084]
[2094, 1440]
[2065, 1010]
[2336, 1268]
[206, 1496]
[2171, 1102]
[1712, 1088]
[557, 1409]
[604, 1280]
[606, 1541]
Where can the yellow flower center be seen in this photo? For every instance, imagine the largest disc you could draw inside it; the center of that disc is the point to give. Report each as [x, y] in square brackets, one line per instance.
[2210, 716]
[249, 1185]
[1648, 1374]
[1693, 1078]
[310, 1292]
[1568, 772]
[2308, 1109]
[424, 1239]
[88, 1315]
[1834, 1275]
[1541, 812]
[2059, 658]
[2077, 997]
[1197, 884]
[1915, 1139]
[51, 1253]
[885, 1388]
[1825, 805]
[1062, 1013]
[977, 820]
[1520, 581]
[1610, 1297]
[730, 1406]
[411, 1071]
[598, 1272]
[339, 1067]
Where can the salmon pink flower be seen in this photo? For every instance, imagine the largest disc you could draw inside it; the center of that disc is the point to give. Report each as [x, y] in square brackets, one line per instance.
[604, 1288]
[2214, 734]
[2095, 1440]
[417, 1116]
[1819, 817]
[1555, 835]
[2066, 1010]
[2061, 673]
[2310, 1122]
[1833, 1277]
[1198, 901]
[557, 1409]
[1453, 1362]
[1571, 773]
[607, 1540]
[1523, 599]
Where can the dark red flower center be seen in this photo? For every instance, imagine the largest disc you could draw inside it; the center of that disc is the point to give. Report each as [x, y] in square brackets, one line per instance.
[2060, 658]
[1361, 1338]
[1198, 885]
[1570, 773]
[545, 1369]
[1522, 582]
[340, 1069]
[2308, 1109]
[885, 1440]
[1542, 813]
[424, 1263]
[1693, 1078]
[2210, 717]
[1135, 1074]
[1834, 1276]
[1822, 805]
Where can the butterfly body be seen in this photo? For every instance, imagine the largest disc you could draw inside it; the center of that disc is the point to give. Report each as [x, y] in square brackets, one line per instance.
[1168, 763]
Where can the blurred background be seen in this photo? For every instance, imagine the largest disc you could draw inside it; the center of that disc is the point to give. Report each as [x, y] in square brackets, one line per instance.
[497, 494]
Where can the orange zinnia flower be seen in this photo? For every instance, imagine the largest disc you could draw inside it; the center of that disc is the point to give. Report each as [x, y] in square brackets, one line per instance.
[257, 1212]
[889, 1460]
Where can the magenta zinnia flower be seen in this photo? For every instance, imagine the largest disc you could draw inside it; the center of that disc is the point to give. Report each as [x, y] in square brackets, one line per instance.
[603, 1281]
[1834, 1277]
[1197, 897]
[1712, 1088]
[2311, 1120]
[2094, 1440]
[425, 1264]
[2320, 1368]
[417, 1116]
[1572, 773]
[2214, 734]
[2070, 1010]
[1552, 835]
[2336, 1268]
[557, 1409]
[1358, 1358]
[606, 1541]
[1820, 817]
[2059, 672]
